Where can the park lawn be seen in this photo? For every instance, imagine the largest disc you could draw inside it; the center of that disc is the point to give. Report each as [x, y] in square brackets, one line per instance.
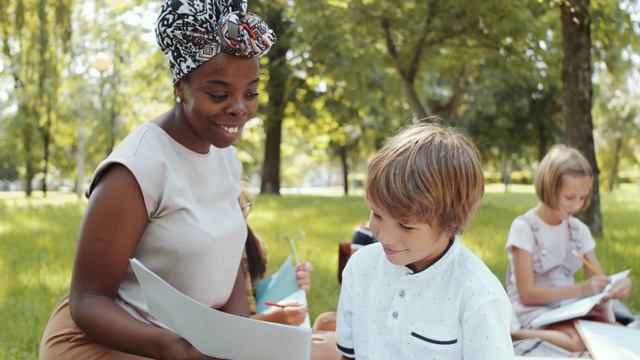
[38, 235]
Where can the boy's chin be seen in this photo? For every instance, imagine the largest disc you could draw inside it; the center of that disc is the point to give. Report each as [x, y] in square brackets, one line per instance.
[399, 262]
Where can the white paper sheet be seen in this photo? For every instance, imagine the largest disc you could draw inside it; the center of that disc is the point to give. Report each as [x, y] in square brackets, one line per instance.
[577, 308]
[218, 334]
[606, 341]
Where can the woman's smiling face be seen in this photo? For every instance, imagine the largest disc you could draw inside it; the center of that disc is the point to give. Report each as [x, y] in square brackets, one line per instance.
[218, 98]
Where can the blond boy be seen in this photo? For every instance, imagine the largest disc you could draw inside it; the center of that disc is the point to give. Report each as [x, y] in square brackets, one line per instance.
[420, 293]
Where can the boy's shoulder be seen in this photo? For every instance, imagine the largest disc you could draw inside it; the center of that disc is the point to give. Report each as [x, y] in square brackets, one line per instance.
[369, 261]
[368, 252]
[474, 271]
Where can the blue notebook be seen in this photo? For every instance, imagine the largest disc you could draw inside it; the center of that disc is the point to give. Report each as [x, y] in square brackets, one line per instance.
[277, 286]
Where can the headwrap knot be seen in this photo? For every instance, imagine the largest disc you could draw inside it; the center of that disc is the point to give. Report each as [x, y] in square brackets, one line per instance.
[190, 32]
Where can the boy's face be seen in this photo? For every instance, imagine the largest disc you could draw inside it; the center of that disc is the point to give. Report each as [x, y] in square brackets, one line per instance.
[415, 245]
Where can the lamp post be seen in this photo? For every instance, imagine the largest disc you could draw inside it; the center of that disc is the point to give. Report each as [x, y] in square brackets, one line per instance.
[101, 63]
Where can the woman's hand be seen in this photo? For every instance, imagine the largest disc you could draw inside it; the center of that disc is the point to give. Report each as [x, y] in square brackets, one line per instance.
[303, 275]
[178, 348]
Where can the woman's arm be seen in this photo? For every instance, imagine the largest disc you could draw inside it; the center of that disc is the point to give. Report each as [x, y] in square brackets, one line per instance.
[531, 294]
[114, 221]
[237, 303]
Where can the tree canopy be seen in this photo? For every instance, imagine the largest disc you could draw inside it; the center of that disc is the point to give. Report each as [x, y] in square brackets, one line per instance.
[342, 77]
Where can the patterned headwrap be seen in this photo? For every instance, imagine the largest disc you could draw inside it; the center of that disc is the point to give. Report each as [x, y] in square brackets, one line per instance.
[190, 32]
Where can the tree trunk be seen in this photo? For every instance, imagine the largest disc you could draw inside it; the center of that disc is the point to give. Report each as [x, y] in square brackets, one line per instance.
[80, 150]
[414, 100]
[45, 169]
[29, 158]
[542, 142]
[46, 142]
[271, 166]
[616, 162]
[345, 169]
[276, 87]
[577, 95]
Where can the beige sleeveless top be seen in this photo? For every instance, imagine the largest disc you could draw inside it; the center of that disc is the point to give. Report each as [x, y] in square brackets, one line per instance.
[196, 232]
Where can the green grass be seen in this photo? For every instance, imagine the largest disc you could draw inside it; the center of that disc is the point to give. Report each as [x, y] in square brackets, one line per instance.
[38, 236]
[37, 243]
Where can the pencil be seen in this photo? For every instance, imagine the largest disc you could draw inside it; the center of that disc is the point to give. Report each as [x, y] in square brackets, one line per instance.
[295, 252]
[586, 262]
[269, 303]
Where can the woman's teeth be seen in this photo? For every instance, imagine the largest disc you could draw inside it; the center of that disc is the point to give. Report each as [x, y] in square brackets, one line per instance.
[231, 130]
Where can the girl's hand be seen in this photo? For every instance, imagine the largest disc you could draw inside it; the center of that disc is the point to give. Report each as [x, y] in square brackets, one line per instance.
[620, 290]
[595, 284]
[303, 274]
[293, 314]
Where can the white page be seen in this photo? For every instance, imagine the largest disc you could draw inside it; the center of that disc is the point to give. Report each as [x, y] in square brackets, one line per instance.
[577, 308]
[218, 334]
[607, 341]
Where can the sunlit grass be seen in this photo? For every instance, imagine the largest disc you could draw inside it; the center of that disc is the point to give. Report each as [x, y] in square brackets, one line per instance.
[38, 237]
[37, 242]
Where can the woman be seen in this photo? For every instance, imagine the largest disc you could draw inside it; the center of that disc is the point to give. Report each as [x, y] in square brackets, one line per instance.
[168, 195]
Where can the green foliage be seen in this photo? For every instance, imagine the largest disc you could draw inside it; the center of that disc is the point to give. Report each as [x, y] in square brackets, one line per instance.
[48, 49]
[474, 64]
[38, 237]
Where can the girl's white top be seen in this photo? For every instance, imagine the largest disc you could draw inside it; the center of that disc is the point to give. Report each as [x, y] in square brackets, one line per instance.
[554, 263]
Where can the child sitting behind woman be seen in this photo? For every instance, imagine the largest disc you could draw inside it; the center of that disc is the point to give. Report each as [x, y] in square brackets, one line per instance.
[419, 292]
[543, 245]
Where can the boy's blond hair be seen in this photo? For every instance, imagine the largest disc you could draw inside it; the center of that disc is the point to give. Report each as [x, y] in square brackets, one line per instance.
[561, 160]
[427, 173]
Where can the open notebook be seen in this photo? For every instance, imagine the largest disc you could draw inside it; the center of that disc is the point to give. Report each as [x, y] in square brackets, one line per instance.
[607, 341]
[576, 308]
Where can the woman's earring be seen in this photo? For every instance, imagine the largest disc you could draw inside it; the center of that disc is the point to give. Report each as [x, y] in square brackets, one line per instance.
[178, 99]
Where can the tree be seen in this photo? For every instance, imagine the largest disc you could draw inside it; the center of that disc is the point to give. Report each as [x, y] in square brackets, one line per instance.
[278, 16]
[616, 114]
[617, 117]
[577, 101]
[577, 94]
[38, 42]
[430, 43]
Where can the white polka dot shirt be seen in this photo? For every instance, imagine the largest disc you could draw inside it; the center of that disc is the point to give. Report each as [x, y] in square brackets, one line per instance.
[454, 309]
